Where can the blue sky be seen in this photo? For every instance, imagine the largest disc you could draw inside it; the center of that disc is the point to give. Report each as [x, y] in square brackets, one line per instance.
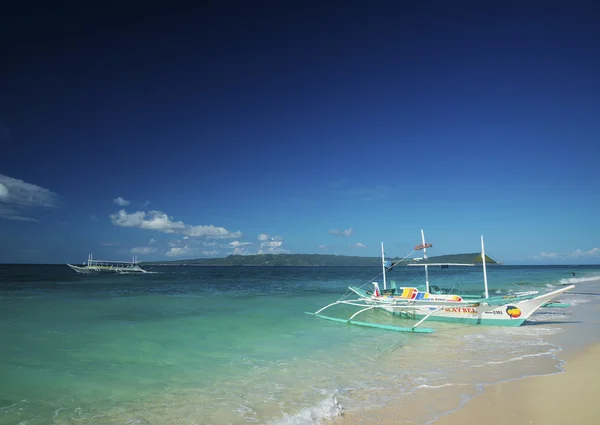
[306, 127]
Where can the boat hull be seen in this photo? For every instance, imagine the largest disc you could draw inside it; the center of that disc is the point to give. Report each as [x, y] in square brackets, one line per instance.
[107, 269]
[82, 270]
[477, 312]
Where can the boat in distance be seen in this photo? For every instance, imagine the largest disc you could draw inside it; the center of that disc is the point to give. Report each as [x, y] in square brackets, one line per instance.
[104, 266]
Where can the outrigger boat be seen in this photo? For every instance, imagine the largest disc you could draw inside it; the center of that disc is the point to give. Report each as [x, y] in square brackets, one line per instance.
[416, 304]
[122, 267]
[445, 261]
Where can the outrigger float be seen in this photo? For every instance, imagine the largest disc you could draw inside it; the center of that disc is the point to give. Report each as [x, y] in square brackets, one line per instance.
[98, 266]
[413, 303]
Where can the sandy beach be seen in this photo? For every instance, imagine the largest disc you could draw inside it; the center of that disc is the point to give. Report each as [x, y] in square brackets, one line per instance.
[566, 398]
[569, 397]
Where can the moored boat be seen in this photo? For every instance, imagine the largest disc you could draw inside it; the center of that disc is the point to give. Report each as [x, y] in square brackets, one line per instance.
[100, 266]
[417, 304]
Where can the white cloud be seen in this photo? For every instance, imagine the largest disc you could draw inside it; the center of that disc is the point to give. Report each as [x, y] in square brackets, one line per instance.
[236, 244]
[143, 250]
[17, 195]
[211, 232]
[344, 233]
[14, 191]
[322, 246]
[178, 251]
[154, 220]
[271, 245]
[264, 237]
[161, 222]
[358, 245]
[3, 192]
[152, 241]
[120, 201]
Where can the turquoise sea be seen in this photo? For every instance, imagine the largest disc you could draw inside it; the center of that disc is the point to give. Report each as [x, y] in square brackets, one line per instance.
[232, 345]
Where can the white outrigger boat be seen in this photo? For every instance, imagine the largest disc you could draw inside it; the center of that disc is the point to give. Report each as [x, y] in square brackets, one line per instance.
[122, 267]
[413, 303]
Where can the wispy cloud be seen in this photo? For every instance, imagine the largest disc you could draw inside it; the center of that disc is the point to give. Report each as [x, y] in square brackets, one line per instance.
[343, 233]
[109, 243]
[190, 251]
[161, 222]
[591, 254]
[236, 244]
[193, 247]
[17, 196]
[143, 250]
[120, 201]
[358, 245]
[550, 255]
[152, 241]
[179, 251]
[11, 213]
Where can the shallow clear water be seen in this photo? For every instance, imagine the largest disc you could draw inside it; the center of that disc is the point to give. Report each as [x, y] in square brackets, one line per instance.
[212, 345]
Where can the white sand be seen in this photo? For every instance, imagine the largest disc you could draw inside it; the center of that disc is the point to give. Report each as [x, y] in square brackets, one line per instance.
[569, 398]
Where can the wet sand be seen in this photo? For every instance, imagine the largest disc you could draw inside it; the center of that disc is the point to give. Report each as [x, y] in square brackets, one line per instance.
[570, 397]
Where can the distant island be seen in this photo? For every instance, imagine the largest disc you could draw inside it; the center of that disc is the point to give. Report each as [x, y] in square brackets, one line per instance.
[315, 260]
[312, 260]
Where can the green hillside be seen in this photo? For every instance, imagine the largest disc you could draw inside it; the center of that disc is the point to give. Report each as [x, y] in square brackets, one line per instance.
[277, 260]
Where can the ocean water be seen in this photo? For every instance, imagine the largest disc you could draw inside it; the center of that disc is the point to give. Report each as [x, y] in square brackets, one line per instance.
[232, 345]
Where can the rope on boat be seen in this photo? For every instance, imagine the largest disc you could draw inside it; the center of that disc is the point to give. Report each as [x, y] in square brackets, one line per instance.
[366, 284]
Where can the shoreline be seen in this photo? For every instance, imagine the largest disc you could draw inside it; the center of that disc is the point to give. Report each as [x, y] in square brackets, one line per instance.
[568, 397]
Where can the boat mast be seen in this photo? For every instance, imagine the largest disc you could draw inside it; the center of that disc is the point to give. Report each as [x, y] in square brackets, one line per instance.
[485, 282]
[425, 258]
[383, 265]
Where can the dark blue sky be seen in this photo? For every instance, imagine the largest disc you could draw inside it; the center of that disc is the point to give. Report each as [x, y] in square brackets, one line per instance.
[299, 127]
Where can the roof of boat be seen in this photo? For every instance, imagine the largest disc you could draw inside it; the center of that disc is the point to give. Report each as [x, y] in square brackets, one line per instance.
[112, 262]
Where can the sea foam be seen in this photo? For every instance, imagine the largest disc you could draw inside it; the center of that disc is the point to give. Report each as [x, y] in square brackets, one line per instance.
[326, 409]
